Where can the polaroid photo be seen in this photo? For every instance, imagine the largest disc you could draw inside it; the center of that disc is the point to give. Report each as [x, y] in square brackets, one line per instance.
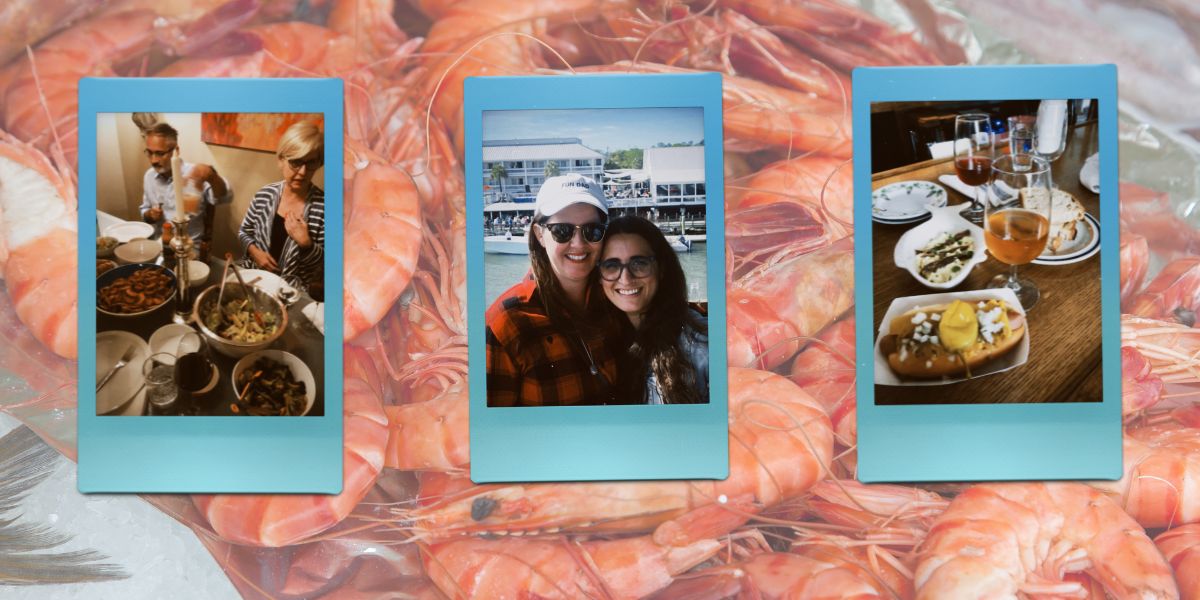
[204, 268]
[987, 273]
[595, 256]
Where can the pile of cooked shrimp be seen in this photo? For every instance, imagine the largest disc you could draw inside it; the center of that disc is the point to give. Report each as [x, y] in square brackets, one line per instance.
[790, 521]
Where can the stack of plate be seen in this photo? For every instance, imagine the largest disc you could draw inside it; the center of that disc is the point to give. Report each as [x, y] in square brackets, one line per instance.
[905, 202]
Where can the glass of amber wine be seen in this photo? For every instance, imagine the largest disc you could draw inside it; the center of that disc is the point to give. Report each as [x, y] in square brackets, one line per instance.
[1017, 233]
[973, 153]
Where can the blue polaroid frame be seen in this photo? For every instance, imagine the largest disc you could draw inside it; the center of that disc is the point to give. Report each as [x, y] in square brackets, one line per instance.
[988, 442]
[210, 454]
[590, 443]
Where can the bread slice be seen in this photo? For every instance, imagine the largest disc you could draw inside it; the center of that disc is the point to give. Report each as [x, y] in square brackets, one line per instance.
[1065, 212]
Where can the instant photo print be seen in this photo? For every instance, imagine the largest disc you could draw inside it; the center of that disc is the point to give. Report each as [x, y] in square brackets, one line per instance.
[986, 270]
[595, 212]
[204, 385]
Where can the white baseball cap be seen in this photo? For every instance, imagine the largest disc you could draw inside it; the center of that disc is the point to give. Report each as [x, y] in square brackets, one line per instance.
[560, 192]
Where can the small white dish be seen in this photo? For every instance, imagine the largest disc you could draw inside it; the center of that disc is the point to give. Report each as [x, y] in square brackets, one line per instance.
[197, 273]
[300, 372]
[1085, 245]
[166, 338]
[1089, 174]
[130, 230]
[125, 383]
[906, 200]
[945, 219]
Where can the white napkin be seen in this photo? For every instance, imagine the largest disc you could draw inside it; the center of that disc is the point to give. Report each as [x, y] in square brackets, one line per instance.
[315, 312]
[969, 190]
[1089, 175]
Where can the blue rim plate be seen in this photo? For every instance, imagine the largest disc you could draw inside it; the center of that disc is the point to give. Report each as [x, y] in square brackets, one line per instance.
[1086, 252]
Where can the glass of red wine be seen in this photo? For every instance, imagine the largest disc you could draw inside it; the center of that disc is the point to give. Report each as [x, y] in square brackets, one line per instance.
[193, 369]
[974, 149]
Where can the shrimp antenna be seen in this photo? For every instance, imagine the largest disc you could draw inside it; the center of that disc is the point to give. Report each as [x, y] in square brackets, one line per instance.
[791, 133]
[826, 185]
[662, 27]
[438, 87]
[60, 154]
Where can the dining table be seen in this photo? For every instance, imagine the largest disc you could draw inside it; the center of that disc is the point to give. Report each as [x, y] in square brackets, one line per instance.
[1064, 363]
[300, 338]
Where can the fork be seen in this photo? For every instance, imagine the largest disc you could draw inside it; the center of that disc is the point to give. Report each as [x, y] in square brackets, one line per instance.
[129, 352]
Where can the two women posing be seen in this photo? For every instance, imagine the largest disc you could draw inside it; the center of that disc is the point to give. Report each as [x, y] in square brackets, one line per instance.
[602, 317]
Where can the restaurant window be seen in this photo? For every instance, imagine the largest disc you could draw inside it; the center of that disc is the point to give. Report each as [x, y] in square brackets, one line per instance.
[578, 163]
[700, 189]
[674, 190]
[599, 162]
[536, 164]
[564, 163]
[661, 190]
[516, 164]
[488, 165]
[689, 189]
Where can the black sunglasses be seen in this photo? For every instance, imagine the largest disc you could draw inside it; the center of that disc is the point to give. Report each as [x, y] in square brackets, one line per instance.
[563, 232]
[640, 268]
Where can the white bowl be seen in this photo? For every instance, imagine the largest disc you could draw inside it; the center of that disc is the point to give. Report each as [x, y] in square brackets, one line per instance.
[945, 219]
[141, 251]
[299, 370]
[197, 273]
[166, 338]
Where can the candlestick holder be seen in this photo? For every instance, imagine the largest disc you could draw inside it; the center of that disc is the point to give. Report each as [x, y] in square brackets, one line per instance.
[182, 245]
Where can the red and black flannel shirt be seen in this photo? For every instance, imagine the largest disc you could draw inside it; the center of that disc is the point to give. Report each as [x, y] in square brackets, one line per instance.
[531, 363]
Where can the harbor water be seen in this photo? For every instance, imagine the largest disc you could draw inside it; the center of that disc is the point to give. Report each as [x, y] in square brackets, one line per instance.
[506, 270]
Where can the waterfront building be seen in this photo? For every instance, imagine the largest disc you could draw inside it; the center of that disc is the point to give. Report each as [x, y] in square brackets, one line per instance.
[525, 161]
[676, 175]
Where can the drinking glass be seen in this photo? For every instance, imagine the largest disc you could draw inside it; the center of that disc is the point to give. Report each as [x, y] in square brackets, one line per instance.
[191, 198]
[193, 369]
[1052, 131]
[159, 373]
[1022, 135]
[973, 153]
[1017, 233]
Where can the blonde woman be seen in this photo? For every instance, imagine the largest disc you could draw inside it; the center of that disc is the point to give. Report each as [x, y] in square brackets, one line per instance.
[284, 228]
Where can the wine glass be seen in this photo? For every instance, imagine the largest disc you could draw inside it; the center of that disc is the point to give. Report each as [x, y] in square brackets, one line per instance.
[1017, 233]
[973, 153]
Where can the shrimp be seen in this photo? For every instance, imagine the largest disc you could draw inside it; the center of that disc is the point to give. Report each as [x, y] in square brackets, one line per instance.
[1140, 387]
[434, 434]
[383, 237]
[27, 22]
[817, 182]
[999, 540]
[826, 371]
[39, 249]
[1181, 547]
[755, 234]
[562, 568]
[1171, 348]
[773, 576]
[1176, 287]
[1135, 260]
[806, 292]
[862, 40]
[100, 46]
[771, 456]
[284, 519]
[369, 21]
[1160, 464]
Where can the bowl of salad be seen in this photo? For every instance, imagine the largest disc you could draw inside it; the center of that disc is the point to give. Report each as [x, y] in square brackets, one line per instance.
[233, 329]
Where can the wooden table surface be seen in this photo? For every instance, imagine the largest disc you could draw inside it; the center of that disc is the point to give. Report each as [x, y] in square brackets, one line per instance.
[1064, 328]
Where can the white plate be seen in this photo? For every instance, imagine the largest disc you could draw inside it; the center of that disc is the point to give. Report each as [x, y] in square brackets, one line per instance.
[269, 282]
[121, 389]
[1085, 245]
[130, 230]
[905, 200]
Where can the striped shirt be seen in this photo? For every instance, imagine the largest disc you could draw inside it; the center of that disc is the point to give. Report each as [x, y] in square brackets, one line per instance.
[531, 363]
[298, 266]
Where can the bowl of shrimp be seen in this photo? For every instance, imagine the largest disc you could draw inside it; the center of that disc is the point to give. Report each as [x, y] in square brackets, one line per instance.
[134, 290]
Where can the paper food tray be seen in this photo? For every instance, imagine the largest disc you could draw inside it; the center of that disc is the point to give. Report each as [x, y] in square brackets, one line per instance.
[1017, 357]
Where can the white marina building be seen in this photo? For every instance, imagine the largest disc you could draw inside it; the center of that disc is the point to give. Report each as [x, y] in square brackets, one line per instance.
[525, 162]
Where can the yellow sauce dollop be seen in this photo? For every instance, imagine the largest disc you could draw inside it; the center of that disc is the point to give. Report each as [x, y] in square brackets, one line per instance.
[958, 328]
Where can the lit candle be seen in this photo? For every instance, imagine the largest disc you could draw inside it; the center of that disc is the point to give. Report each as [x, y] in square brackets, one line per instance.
[177, 178]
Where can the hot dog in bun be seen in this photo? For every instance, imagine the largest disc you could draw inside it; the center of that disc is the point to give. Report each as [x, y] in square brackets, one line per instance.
[950, 339]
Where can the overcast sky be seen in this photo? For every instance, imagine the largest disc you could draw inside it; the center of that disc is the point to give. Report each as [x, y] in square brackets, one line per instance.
[599, 128]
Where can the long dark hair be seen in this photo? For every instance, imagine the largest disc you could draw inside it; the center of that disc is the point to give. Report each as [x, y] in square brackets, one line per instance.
[656, 344]
[564, 315]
